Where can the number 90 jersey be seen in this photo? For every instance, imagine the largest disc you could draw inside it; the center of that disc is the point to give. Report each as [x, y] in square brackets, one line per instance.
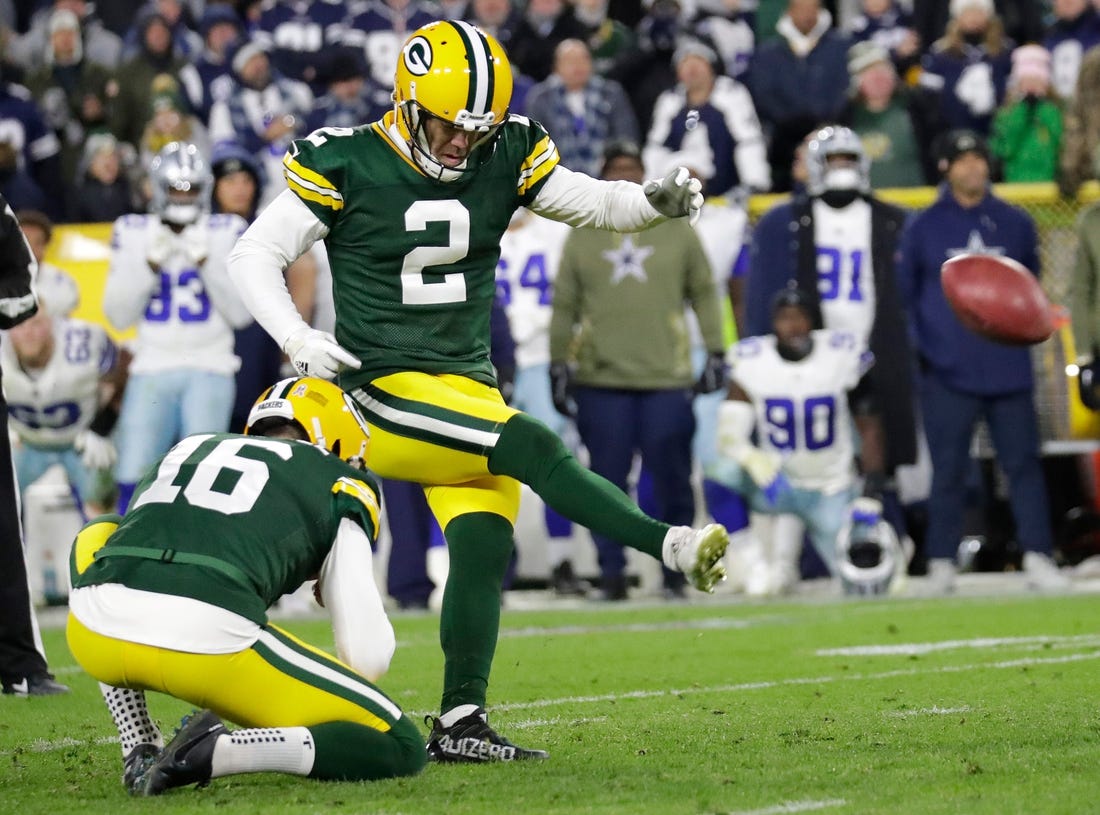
[802, 407]
[414, 259]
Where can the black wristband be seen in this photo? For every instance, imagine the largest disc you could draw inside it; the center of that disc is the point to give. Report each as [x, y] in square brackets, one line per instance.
[104, 421]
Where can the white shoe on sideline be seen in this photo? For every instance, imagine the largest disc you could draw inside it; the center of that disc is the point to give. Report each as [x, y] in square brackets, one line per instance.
[941, 576]
[1042, 573]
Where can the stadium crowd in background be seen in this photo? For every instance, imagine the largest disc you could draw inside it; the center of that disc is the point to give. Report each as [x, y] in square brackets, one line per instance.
[91, 94]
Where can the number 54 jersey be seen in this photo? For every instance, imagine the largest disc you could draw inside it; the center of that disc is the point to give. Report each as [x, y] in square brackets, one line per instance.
[414, 259]
[802, 407]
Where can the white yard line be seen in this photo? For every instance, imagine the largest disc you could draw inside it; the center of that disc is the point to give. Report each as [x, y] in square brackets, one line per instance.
[919, 648]
[936, 710]
[793, 807]
[538, 704]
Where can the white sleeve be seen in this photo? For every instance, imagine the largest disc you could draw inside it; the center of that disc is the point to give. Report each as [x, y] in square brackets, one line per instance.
[223, 294]
[580, 200]
[364, 636]
[279, 236]
[220, 127]
[750, 155]
[130, 280]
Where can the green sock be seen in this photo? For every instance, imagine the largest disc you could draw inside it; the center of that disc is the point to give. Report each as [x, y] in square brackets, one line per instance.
[347, 751]
[530, 452]
[480, 546]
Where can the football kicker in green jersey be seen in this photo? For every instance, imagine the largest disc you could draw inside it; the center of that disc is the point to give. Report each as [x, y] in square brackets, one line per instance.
[414, 259]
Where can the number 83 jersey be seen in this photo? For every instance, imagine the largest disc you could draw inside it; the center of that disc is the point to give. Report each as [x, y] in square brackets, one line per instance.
[802, 407]
[414, 259]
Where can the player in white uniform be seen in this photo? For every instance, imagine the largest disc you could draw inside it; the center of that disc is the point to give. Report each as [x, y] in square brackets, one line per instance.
[167, 276]
[530, 252]
[795, 387]
[58, 384]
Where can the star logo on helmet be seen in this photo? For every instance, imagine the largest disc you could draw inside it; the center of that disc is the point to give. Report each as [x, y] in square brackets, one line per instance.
[418, 56]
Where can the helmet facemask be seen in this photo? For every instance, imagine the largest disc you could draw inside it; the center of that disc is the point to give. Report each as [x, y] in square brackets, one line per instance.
[482, 130]
[181, 181]
[451, 78]
[325, 416]
[825, 174]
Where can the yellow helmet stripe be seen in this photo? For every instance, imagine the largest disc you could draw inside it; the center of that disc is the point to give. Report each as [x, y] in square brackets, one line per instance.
[311, 185]
[480, 60]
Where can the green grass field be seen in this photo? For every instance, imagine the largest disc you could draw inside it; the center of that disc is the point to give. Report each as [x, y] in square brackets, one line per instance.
[960, 705]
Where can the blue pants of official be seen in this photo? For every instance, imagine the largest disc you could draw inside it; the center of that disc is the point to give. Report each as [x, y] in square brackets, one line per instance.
[614, 425]
[949, 419]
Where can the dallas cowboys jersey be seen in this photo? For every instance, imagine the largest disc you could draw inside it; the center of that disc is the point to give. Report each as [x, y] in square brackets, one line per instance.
[174, 287]
[529, 258]
[802, 407]
[49, 407]
[845, 279]
[379, 29]
[301, 35]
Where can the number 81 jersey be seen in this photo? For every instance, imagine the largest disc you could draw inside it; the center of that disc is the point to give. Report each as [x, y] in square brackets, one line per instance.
[802, 407]
[414, 259]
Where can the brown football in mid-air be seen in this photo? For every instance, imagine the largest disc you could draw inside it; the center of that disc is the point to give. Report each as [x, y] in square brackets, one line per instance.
[998, 298]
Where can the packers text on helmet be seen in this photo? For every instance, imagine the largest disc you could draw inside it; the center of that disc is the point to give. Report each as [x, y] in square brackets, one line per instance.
[328, 416]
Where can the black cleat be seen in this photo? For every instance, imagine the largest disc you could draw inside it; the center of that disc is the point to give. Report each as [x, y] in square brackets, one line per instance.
[187, 758]
[136, 764]
[39, 685]
[470, 739]
[565, 581]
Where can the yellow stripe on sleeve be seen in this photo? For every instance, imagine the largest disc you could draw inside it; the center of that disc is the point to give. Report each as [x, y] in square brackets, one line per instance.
[363, 493]
[539, 162]
[310, 185]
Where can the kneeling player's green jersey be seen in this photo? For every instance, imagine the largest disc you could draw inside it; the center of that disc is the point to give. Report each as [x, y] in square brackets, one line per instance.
[235, 521]
[414, 259]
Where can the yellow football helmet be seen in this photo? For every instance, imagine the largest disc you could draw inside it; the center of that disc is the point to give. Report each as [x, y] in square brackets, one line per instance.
[328, 416]
[457, 73]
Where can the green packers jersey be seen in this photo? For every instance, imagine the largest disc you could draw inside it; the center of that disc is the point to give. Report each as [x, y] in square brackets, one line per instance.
[414, 259]
[235, 521]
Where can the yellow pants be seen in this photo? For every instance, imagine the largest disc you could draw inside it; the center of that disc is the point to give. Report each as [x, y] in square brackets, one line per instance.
[438, 430]
[278, 682]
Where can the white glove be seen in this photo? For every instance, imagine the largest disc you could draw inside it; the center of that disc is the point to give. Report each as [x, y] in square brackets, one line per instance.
[676, 195]
[15, 307]
[316, 353]
[764, 467]
[96, 451]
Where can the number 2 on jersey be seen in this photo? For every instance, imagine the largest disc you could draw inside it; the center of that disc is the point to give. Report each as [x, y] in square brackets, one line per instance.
[417, 291]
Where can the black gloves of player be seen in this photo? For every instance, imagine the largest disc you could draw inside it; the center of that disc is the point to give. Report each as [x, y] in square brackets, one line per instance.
[561, 389]
[714, 374]
[1088, 381]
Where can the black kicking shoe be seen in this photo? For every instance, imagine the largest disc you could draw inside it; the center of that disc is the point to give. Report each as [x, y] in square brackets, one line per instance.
[40, 685]
[470, 739]
[136, 764]
[565, 582]
[187, 758]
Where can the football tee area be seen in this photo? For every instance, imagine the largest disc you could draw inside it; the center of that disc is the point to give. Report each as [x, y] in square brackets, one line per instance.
[981, 702]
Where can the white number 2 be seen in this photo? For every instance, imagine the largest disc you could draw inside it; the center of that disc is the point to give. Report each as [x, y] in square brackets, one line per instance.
[415, 290]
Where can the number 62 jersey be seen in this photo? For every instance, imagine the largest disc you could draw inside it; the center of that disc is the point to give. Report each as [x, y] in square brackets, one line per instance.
[802, 407]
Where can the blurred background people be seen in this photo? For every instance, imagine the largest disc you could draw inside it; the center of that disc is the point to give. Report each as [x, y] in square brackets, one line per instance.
[581, 111]
[963, 376]
[708, 123]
